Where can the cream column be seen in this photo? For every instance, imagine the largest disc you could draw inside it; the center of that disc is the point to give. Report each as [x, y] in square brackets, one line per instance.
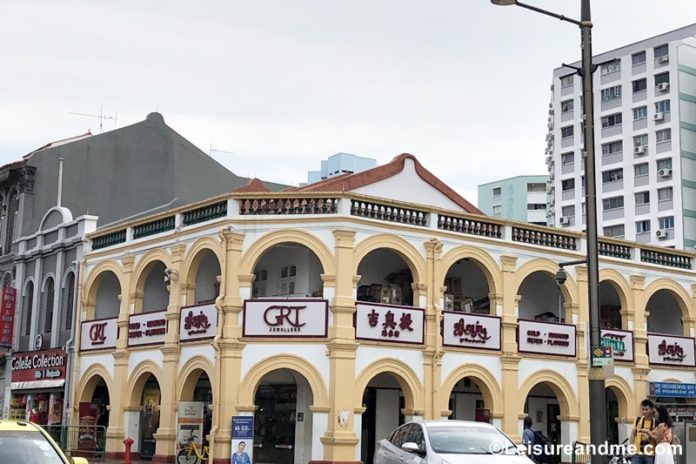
[340, 441]
[640, 338]
[166, 433]
[510, 359]
[228, 347]
[581, 313]
[432, 354]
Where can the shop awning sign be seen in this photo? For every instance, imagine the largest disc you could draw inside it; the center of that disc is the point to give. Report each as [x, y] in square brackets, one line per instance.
[39, 369]
[198, 322]
[147, 328]
[389, 323]
[546, 338]
[671, 350]
[98, 334]
[290, 318]
[673, 389]
[467, 330]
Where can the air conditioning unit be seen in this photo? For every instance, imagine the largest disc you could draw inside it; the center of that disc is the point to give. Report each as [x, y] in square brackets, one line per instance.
[658, 116]
[663, 59]
[565, 220]
[664, 172]
[640, 150]
[661, 233]
[663, 86]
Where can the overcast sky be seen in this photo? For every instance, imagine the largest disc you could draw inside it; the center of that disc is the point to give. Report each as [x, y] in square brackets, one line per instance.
[277, 85]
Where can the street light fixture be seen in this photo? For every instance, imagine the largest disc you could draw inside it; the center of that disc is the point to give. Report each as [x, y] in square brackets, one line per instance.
[598, 426]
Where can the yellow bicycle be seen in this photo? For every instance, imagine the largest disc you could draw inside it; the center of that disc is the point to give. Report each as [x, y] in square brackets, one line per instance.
[190, 453]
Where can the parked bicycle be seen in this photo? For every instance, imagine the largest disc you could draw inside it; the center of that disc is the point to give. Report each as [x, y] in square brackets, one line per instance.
[190, 453]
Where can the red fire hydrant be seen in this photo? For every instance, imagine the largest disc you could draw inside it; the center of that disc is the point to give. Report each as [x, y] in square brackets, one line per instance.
[127, 454]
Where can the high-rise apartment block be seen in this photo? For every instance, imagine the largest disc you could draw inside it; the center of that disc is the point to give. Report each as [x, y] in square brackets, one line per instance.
[645, 142]
[520, 198]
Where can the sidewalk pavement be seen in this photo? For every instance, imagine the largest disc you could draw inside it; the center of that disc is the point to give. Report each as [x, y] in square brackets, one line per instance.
[113, 461]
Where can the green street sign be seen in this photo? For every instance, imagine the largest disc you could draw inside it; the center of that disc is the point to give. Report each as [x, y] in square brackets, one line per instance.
[616, 345]
[602, 356]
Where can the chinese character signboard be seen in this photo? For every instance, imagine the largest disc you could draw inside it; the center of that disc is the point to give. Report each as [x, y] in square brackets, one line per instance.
[242, 440]
[198, 322]
[673, 390]
[387, 323]
[671, 350]
[286, 318]
[546, 338]
[147, 328]
[621, 343]
[39, 369]
[471, 331]
[98, 334]
[7, 314]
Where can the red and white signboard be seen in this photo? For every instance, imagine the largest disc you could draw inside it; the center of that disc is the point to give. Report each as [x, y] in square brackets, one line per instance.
[388, 323]
[99, 334]
[546, 338]
[286, 318]
[7, 314]
[467, 330]
[671, 350]
[198, 322]
[39, 369]
[147, 328]
[619, 337]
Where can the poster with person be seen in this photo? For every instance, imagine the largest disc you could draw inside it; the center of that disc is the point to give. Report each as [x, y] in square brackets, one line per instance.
[242, 440]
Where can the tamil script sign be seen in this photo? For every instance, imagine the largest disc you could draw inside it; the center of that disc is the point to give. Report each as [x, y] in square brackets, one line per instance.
[389, 323]
[471, 331]
[671, 350]
[286, 318]
[546, 338]
[147, 328]
[620, 341]
[673, 390]
[198, 322]
[99, 334]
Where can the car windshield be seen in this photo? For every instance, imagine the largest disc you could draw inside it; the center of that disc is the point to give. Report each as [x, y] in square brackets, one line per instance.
[468, 439]
[27, 447]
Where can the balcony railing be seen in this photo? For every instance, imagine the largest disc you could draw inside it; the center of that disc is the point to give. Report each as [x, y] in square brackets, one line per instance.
[361, 206]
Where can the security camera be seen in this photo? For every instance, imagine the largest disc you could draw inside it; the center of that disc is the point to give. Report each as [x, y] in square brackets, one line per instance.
[561, 276]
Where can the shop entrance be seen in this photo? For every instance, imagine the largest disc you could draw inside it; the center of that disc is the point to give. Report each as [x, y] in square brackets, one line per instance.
[612, 413]
[543, 407]
[467, 403]
[283, 421]
[383, 400]
[149, 417]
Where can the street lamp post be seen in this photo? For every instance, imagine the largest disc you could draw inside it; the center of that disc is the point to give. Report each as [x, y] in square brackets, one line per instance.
[598, 426]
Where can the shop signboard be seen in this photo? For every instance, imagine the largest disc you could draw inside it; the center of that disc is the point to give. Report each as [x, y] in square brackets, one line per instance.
[547, 338]
[147, 328]
[88, 417]
[198, 322]
[389, 323]
[671, 350]
[620, 341]
[7, 314]
[242, 440]
[189, 421]
[468, 330]
[673, 390]
[289, 318]
[39, 369]
[98, 334]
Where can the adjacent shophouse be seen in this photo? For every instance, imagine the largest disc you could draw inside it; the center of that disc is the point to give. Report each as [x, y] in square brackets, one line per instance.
[333, 312]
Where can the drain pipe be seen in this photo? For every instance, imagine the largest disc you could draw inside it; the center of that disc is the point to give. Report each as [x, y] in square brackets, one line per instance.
[71, 365]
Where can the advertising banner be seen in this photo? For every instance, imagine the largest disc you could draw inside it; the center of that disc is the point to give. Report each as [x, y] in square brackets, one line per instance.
[39, 369]
[290, 318]
[99, 334]
[242, 440]
[7, 315]
[471, 331]
[671, 350]
[198, 322]
[88, 417]
[189, 420]
[546, 338]
[389, 323]
[147, 328]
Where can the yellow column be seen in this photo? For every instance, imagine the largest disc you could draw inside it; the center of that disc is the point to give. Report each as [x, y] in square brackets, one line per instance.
[166, 433]
[228, 348]
[581, 313]
[432, 353]
[640, 337]
[340, 441]
[510, 359]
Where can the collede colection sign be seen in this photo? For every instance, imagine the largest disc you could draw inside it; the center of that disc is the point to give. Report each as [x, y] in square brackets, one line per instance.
[39, 369]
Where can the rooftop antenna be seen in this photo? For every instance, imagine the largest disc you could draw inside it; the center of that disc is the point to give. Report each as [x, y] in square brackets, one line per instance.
[101, 118]
[219, 151]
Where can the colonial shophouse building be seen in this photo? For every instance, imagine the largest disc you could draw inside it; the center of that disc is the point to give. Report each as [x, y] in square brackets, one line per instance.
[383, 291]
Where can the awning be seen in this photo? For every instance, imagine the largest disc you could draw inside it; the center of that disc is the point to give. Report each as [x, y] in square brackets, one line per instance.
[51, 383]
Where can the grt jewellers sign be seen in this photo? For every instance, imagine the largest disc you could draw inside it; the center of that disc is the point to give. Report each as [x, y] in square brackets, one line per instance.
[387, 323]
[466, 330]
[39, 369]
[99, 334]
[546, 338]
[671, 350]
[290, 318]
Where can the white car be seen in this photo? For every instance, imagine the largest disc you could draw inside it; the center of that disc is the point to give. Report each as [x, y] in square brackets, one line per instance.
[448, 442]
